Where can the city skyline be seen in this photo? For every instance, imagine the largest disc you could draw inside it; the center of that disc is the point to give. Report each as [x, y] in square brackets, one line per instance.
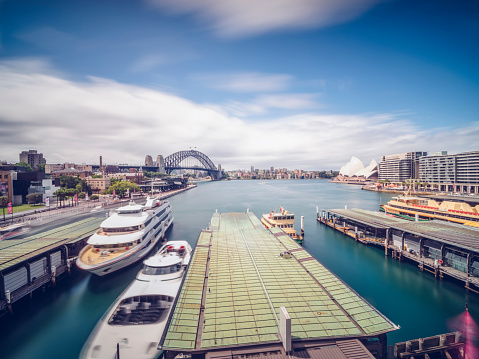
[290, 84]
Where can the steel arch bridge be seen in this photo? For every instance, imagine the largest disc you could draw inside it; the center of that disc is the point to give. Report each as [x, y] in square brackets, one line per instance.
[172, 162]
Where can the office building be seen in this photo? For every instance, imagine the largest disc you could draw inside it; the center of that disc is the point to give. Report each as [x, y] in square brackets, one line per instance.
[451, 173]
[400, 167]
[32, 158]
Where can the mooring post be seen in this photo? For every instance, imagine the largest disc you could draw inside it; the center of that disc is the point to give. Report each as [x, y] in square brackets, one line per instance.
[302, 226]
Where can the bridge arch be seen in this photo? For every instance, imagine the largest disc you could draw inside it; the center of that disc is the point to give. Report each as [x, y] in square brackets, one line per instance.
[173, 161]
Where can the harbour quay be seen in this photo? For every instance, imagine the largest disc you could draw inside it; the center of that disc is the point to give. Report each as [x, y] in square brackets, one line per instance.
[442, 248]
[251, 291]
[39, 260]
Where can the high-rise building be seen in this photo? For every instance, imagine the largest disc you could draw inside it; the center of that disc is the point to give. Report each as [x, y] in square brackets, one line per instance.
[400, 167]
[459, 172]
[148, 161]
[252, 169]
[32, 158]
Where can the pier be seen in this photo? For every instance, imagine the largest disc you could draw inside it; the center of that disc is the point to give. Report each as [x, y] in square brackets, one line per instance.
[39, 260]
[439, 247]
[253, 291]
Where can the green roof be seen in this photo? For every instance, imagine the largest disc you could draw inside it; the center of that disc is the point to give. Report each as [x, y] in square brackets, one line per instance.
[15, 251]
[245, 282]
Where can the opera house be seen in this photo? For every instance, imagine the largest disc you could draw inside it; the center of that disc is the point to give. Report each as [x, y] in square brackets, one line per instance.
[354, 172]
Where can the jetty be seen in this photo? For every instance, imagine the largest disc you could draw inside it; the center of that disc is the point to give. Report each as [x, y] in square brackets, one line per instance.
[440, 247]
[39, 260]
[251, 291]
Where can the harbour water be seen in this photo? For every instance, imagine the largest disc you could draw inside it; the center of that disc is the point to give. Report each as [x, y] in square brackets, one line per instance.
[56, 324]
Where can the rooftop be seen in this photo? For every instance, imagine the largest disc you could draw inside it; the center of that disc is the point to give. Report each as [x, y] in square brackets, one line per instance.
[15, 251]
[456, 234]
[237, 281]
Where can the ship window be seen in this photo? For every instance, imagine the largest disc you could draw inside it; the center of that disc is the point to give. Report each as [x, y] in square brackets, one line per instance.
[145, 309]
[161, 270]
[121, 229]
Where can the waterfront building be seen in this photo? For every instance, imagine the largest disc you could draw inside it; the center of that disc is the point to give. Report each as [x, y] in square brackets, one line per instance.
[71, 172]
[46, 187]
[148, 161]
[451, 173]
[400, 167]
[98, 185]
[32, 158]
[49, 168]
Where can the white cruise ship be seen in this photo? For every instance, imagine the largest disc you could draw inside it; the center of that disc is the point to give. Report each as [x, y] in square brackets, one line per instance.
[126, 236]
[133, 326]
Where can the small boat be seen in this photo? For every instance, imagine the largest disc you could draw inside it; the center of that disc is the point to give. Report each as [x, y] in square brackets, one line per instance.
[126, 237]
[133, 326]
[13, 231]
[284, 220]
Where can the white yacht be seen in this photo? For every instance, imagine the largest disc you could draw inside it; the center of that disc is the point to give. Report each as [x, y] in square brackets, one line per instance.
[126, 236]
[133, 326]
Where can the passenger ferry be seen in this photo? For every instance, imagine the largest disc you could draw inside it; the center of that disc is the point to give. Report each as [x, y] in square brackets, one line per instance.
[126, 236]
[448, 208]
[13, 231]
[133, 326]
[284, 220]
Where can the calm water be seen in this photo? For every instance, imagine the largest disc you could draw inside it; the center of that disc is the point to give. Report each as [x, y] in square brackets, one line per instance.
[57, 323]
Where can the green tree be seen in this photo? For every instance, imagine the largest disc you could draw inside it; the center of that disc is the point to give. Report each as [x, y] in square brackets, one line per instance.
[69, 181]
[3, 203]
[34, 198]
[85, 187]
[121, 188]
[61, 195]
[27, 167]
[81, 195]
[41, 167]
[95, 176]
[94, 197]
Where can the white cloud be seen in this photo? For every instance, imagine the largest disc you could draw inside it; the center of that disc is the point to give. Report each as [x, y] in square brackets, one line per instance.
[79, 121]
[246, 82]
[264, 103]
[239, 18]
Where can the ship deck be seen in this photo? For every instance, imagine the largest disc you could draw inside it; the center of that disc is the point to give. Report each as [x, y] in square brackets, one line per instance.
[237, 281]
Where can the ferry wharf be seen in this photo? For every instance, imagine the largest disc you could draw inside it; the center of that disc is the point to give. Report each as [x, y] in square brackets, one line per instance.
[40, 260]
[439, 247]
[251, 291]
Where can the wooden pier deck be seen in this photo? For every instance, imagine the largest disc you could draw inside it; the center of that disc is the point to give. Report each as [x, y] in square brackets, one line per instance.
[35, 261]
[238, 280]
[442, 248]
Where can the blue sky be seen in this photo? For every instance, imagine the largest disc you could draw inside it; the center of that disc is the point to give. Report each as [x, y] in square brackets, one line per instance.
[285, 83]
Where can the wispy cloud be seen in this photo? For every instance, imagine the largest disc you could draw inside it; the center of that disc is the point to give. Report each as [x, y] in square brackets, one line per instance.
[263, 103]
[245, 82]
[240, 18]
[79, 121]
[149, 62]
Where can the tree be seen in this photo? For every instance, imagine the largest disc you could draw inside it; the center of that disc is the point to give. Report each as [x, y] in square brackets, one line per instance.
[69, 181]
[61, 195]
[34, 198]
[121, 187]
[85, 187]
[95, 176]
[81, 195]
[94, 197]
[3, 203]
[27, 167]
[41, 167]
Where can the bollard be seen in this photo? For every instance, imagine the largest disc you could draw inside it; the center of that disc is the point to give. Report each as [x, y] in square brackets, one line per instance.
[302, 225]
